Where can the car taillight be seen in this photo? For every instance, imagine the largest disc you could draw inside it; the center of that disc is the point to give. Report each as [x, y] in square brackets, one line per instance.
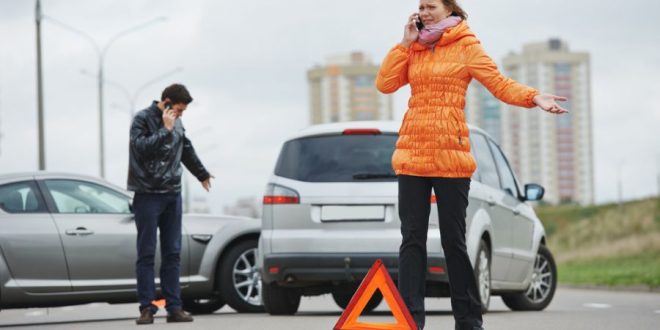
[281, 200]
[361, 131]
[280, 195]
[436, 270]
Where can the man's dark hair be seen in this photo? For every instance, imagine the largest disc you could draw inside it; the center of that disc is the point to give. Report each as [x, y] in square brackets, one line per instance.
[177, 93]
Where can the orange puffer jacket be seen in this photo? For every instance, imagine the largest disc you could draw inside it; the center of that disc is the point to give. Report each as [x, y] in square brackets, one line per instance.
[434, 137]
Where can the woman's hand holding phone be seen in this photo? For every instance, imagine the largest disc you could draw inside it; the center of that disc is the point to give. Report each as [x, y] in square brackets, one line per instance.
[411, 33]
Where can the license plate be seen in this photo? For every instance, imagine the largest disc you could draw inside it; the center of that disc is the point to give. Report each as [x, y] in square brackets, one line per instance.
[353, 213]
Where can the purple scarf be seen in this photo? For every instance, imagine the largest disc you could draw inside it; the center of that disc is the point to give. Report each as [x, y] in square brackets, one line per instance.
[430, 35]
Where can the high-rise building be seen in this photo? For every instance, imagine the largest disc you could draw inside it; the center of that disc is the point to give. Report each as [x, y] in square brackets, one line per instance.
[483, 110]
[554, 151]
[345, 90]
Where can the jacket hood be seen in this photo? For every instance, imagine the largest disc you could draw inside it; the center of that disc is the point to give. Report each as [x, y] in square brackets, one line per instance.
[450, 35]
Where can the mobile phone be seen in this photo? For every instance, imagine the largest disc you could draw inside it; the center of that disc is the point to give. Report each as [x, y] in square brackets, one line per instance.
[168, 105]
[418, 22]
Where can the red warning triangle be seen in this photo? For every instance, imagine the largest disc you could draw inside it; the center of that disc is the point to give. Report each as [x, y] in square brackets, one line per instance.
[377, 279]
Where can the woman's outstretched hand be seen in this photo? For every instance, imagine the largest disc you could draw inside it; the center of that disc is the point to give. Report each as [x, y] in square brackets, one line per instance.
[549, 103]
[410, 33]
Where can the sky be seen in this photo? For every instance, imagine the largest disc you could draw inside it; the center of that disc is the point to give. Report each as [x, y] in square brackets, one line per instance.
[245, 64]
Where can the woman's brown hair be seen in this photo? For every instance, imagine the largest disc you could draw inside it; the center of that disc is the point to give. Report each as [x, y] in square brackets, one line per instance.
[456, 10]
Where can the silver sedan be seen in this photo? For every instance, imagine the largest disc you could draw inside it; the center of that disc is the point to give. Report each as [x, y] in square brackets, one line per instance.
[70, 239]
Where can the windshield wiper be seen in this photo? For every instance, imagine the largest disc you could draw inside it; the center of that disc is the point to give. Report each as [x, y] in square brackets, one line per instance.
[367, 176]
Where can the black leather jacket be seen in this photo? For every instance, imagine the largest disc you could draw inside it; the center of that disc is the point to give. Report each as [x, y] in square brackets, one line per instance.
[156, 154]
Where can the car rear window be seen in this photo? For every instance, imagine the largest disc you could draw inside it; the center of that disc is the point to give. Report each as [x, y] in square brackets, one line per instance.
[338, 158]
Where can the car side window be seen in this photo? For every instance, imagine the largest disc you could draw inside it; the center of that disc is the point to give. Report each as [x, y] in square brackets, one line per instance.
[508, 182]
[21, 197]
[485, 164]
[72, 196]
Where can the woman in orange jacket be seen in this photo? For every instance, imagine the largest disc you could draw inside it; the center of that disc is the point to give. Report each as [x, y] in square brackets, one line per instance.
[433, 150]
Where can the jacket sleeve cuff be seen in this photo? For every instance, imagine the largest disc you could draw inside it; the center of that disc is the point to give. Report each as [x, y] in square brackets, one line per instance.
[203, 176]
[529, 98]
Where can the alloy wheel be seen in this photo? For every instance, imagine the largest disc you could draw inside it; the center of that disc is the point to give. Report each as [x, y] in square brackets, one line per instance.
[246, 277]
[541, 280]
[484, 276]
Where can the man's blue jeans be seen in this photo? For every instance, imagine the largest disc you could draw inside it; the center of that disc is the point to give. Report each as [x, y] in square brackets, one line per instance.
[153, 212]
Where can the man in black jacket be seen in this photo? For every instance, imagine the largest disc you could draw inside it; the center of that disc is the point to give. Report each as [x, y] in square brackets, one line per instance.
[158, 146]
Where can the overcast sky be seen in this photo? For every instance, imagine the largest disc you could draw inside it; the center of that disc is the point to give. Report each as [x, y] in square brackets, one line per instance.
[245, 64]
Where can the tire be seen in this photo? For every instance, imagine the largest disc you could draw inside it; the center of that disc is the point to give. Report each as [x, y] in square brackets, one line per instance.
[482, 275]
[342, 298]
[279, 300]
[240, 281]
[542, 288]
[203, 306]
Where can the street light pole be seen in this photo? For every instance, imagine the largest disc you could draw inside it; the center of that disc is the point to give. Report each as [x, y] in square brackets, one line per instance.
[101, 135]
[40, 98]
[101, 52]
[149, 83]
[131, 98]
[101, 60]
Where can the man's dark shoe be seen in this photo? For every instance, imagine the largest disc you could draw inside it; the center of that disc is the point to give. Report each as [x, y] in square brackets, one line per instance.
[146, 317]
[178, 316]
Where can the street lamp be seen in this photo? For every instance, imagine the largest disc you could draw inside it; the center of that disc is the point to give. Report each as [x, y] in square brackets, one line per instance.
[40, 93]
[131, 98]
[149, 83]
[101, 52]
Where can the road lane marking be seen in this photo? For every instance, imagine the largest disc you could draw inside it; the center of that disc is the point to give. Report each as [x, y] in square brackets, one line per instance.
[658, 311]
[596, 305]
[35, 313]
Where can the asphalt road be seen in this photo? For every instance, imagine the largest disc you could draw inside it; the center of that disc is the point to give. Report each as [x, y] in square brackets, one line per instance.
[571, 309]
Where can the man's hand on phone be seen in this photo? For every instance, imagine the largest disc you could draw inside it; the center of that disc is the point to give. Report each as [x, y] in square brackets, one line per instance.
[207, 183]
[169, 117]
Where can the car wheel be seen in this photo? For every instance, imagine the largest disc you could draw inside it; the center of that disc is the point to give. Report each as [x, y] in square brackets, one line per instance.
[240, 281]
[203, 306]
[482, 274]
[542, 287]
[279, 300]
[342, 298]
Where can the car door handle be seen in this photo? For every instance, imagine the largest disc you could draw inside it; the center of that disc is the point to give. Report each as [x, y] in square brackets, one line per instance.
[516, 212]
[80, 231]
[491, 201]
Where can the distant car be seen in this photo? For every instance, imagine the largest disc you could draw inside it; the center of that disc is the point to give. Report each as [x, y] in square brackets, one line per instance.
[330, 210]
[70, 239]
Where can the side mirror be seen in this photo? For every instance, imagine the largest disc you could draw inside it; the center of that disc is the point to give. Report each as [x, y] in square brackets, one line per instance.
[534, 192]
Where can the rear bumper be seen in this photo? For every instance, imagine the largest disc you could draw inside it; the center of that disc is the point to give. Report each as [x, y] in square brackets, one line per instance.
[307, 269]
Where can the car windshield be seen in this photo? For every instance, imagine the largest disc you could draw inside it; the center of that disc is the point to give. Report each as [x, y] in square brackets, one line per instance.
[338, 158]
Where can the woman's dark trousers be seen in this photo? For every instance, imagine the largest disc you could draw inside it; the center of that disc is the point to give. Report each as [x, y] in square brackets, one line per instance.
[414, 210]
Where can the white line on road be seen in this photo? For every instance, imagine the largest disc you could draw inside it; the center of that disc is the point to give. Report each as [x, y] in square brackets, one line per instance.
[658, 311]
[35, 313]
[596, 305]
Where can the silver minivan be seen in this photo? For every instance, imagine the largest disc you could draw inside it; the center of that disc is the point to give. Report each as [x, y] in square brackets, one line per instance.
[330, 210]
